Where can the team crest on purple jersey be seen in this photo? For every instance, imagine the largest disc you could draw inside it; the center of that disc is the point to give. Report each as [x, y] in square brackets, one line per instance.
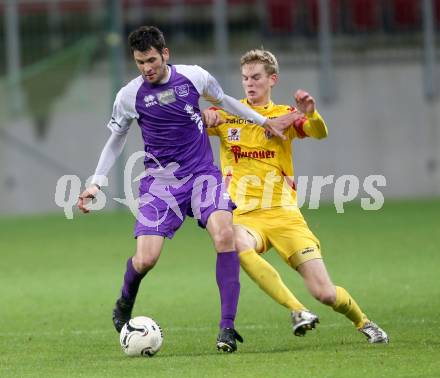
[182, 90]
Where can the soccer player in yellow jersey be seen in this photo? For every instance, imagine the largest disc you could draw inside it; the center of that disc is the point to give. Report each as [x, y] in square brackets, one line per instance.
[259, 174]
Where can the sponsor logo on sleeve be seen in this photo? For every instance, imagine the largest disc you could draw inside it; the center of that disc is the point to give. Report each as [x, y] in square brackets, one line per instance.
[307, 250]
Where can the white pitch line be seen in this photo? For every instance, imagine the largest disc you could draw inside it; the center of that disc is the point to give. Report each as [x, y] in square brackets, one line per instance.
[168, 329]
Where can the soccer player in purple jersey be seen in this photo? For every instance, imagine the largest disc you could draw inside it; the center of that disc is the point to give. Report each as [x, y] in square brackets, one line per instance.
[180, 170]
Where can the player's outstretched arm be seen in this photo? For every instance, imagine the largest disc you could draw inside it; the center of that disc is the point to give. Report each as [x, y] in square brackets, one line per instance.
[276, 126]
[111, 151]
[212, 118]
[315, 126]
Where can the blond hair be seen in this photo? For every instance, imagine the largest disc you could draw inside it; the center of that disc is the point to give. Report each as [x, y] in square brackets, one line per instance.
[261, 56]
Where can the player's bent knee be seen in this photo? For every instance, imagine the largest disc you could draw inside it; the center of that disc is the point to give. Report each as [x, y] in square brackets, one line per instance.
[144, 263]
[224, 239]
[242, 240]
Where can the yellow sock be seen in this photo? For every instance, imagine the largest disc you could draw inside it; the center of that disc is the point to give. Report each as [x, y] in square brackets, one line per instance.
[268, 279]
[347, 306]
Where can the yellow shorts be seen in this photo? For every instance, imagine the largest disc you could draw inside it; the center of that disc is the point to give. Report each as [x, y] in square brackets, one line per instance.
[285, 230]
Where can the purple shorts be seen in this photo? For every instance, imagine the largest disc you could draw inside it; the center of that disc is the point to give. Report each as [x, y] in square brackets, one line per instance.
[165, 201]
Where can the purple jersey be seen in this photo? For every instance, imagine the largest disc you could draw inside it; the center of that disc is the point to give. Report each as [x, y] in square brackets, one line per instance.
[169, 117]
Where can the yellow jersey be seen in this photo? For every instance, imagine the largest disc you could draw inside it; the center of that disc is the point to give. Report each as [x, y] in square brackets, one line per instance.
[257, 166]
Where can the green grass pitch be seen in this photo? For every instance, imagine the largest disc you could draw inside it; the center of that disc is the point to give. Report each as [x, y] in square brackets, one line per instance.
[60, 278]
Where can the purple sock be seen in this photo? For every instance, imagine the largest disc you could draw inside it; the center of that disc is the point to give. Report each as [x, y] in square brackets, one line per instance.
[228, 281]
[132, 280]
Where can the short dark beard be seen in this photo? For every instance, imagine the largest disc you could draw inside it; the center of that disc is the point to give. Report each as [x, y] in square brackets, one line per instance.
[166, 69]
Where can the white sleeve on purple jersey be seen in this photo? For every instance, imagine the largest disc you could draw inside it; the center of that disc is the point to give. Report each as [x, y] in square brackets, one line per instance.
[211, 91]
[124, 107]
[111, 151]
[124, 111]
[203, 81]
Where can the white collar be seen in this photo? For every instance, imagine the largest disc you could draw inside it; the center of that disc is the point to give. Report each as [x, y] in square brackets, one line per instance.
[167, 77]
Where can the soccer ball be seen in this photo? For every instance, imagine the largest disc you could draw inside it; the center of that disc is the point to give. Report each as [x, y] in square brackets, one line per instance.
[141, 336]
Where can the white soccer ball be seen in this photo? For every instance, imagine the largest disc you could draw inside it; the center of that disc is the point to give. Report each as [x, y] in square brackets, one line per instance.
[141, 336]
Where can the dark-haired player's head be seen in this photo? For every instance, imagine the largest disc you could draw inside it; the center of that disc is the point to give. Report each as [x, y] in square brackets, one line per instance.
[150, 53]
[145, 38]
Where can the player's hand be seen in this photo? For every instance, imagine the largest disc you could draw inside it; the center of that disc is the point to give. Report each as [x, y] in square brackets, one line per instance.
[86, 196]
[212, 118]
[277, 126]
[304, 102]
